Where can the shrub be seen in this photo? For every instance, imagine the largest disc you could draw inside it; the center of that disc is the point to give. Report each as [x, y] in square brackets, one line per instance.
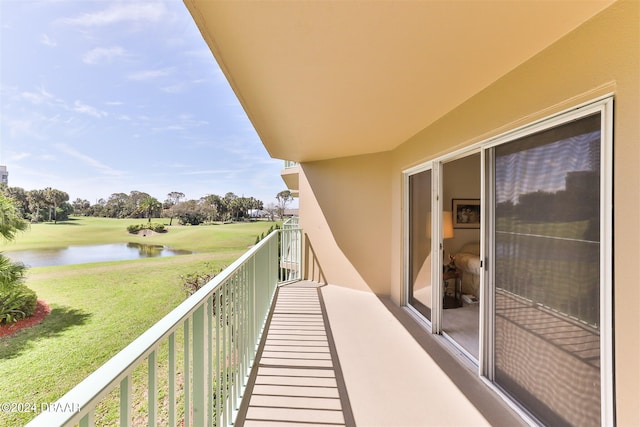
[262, 236]
[157, 227]
[191, 218]
[134, 228]
[153, 226]
[16, 302]
[193, 282]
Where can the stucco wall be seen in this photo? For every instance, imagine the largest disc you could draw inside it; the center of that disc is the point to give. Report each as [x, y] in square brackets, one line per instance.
[344, 211]
[602, 56]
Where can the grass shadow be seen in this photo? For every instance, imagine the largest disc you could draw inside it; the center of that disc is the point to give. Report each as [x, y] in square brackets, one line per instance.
[59, 320]
[68, 221]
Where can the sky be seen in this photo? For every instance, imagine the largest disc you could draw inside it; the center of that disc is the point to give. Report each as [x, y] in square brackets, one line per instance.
[103, 97]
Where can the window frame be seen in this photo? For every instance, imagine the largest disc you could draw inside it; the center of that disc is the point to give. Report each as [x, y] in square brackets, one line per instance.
[603, 106]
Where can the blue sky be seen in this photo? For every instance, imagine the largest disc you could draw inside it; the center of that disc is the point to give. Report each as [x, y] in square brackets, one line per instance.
[99, 97]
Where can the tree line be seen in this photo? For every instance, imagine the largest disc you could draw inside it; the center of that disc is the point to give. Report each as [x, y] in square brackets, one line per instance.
[51, 204]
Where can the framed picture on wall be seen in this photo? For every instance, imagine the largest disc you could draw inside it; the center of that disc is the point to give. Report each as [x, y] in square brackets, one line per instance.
[466, 213]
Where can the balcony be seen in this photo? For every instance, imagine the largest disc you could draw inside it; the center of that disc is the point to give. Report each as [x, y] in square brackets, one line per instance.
[263, 347]
[290, 176]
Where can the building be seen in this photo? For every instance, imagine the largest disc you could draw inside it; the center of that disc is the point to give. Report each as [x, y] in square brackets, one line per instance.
[396, 119]
[401, 110]
[4, 175]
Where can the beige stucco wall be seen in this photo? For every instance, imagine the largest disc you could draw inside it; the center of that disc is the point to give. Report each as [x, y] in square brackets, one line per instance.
[344, 211]
[351, 208]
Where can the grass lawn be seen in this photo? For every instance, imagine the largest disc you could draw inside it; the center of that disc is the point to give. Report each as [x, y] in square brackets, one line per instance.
[97, 309]
[94, 231]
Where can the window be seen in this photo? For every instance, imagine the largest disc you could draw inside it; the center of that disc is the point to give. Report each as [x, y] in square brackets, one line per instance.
[420, 260]
[546, 335]
[547, 272]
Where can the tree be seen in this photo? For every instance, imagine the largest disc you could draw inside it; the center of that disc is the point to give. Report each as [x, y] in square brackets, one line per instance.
[19, 198]
[37, 199]
[132, 206]
[63, 211]
[271, 210]
[16, 300]
[173, 199]
[218, 204]
[54, 198]
[190, 212]
[98, 209]
[150, 205]
[284, 198]
[81, 207]
[209, 207]
[230, 205]
[114, 207]
[10, 220]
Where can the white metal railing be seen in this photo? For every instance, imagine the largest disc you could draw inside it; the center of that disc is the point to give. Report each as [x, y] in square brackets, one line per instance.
[290, 164]
[290, 223]
[221, 324]
[291, 251]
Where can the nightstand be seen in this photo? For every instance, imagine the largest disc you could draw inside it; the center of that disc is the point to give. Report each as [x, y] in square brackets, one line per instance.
[452, 295]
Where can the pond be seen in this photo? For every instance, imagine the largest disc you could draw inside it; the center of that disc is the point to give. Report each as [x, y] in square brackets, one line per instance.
[91, 253]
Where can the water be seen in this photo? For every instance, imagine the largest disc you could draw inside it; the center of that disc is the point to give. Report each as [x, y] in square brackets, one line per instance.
[91, 253]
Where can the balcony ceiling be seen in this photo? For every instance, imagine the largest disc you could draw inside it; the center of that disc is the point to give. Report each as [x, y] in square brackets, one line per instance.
[327, 79]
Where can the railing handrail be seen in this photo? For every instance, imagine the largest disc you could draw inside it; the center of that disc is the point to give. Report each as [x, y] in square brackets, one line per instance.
[291, 223]
[101, 381]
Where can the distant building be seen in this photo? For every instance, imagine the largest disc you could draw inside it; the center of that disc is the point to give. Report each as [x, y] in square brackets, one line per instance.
[4, 175]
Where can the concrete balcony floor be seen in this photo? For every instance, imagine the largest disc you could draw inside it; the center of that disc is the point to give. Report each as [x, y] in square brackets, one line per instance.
[334, 356]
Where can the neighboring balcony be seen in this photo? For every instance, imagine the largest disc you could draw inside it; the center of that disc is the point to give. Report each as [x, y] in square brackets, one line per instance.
[260, 346]
[290, 175]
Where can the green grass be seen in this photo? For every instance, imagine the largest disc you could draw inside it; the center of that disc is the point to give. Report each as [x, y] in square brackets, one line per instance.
[97, 309]
[91, 231]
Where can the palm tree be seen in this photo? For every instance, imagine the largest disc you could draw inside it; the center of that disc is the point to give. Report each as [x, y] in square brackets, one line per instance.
[36, 200]
[54, 198]
[149, 205]
[12, 273]
[10, 221]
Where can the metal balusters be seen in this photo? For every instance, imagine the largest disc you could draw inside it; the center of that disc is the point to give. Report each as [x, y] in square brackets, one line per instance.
[222, 325]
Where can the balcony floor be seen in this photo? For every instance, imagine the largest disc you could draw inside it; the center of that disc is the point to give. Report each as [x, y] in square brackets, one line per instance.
[334, 356]
[298, 379]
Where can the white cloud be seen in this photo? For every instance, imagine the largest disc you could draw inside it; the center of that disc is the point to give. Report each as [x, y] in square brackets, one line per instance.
[179, 165]
[19, 127]
[39, 97]
[212, 172]
[90, 161]
[176, 88]
[121, 12]
[168, 128]
[48, 41]
[79, 107]
[150, 74]
[16, 157]
[202, 53]
[102, 54]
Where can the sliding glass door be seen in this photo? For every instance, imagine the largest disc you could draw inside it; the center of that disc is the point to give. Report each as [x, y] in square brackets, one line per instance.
[420, 256]
[548, 280]
[542, 276]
